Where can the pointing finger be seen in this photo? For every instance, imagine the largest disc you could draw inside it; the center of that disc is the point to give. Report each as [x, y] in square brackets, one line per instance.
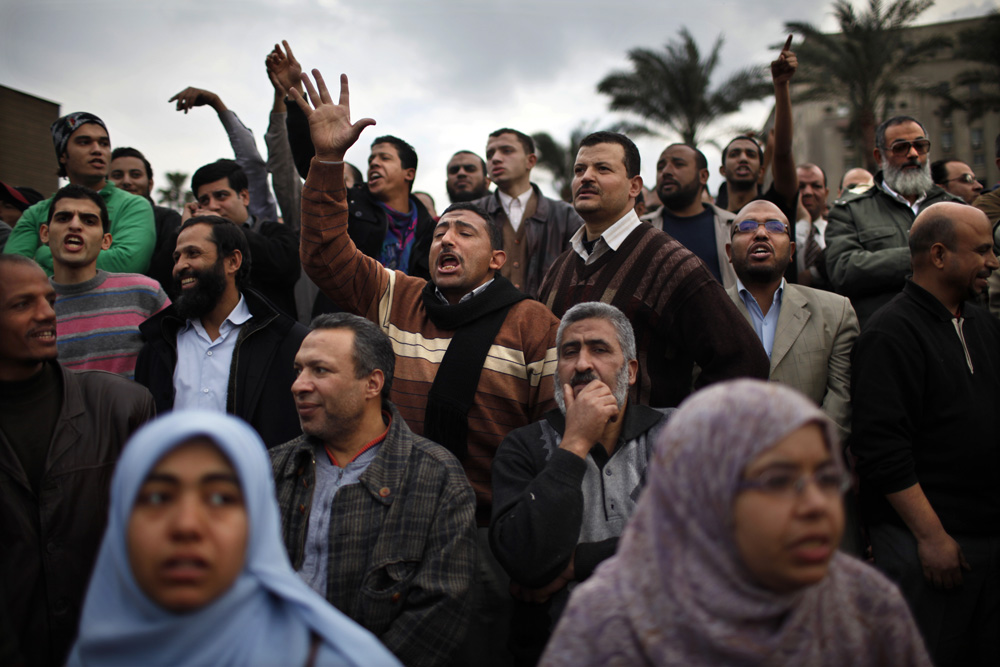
[788, 44]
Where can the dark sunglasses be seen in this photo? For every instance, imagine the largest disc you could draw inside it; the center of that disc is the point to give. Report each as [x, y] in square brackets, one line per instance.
[772, 226]
[467, 168]
[901, 148]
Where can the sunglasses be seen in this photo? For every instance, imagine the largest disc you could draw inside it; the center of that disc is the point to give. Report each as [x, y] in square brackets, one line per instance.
[902, 148]
[964, 178]
[467, 168]
[772, 226]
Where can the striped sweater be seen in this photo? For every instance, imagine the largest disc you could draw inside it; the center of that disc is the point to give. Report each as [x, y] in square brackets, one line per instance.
[97, 321]
[515, 387]
[679, 312]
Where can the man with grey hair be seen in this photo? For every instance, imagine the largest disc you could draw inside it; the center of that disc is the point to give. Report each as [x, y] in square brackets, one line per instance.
[564, 487]
[376, 519]
[867, 256]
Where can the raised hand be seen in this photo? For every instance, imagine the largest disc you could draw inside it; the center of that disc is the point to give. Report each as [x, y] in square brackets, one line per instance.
[192, 97]
[283, 69]
[587, 415]
[329, 124]
[784, 67]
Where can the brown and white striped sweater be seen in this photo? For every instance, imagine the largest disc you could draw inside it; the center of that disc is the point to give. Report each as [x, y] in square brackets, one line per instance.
[515, 388]
[678, 310]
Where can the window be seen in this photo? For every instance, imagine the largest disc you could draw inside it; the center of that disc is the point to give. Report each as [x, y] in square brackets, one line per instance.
[947, 141]
[976, 137]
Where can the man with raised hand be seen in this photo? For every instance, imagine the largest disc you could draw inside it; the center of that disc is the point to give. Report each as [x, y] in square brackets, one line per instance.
[475, 356]
[83, 150]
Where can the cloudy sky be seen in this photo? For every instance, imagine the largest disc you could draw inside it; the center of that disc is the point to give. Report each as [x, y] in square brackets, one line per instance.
[441, 74]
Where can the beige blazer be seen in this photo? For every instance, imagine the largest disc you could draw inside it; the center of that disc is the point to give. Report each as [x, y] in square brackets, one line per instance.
[812, 347]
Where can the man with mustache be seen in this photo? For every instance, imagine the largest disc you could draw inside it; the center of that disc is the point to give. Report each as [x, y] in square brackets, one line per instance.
[536, 229]
[680, 313]
[221, 345]
[83, 149]
[925, 392]
[681, 176]
[564, 487]
[474, 355]
[866, 236]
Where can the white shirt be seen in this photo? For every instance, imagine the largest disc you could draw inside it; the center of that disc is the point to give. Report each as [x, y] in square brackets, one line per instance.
[611, 239]
[915, 206]
[515, 207]
[201, 376]
[802, 228]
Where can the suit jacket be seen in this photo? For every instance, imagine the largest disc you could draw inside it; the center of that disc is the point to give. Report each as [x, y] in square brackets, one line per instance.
[812, 347]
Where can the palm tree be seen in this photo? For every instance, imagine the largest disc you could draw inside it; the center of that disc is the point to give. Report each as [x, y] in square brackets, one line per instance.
[862, 65]
[672, 87]
[980, 45]
[174, 196]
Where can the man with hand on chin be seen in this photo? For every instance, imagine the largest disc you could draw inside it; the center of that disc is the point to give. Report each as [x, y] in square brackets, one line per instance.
[564, 487]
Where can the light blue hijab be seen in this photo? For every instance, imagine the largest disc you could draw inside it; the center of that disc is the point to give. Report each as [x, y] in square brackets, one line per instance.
[267, 615]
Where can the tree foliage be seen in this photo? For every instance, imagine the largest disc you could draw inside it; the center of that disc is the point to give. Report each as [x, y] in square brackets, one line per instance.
[673, 88]
[174, 195]
[864, 64]
[978, 90]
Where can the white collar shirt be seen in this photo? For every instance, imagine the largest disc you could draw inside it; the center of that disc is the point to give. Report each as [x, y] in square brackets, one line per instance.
[611, 239]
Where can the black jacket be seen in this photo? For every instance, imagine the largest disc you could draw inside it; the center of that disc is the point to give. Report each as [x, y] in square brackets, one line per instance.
[368, 223]
[49, 540]
[260, 375]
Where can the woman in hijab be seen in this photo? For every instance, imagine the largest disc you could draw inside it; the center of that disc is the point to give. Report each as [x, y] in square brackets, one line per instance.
[192, 569]
[731, 557]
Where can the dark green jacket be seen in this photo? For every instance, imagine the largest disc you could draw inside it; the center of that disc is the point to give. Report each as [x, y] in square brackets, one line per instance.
[867, 252]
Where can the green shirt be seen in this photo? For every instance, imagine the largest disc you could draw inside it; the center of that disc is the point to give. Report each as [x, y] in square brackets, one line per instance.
[133, 233]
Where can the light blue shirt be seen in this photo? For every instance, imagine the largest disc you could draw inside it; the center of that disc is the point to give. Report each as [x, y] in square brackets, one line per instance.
[201, 376]
[764, 325]
[329, 480]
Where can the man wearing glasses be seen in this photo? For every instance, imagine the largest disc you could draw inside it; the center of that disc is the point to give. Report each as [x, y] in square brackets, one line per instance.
[957, 178]
[807, 333]
[867, 255]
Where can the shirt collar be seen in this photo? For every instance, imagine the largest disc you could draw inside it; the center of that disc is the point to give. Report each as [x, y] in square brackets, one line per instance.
[238, 316]
[506, 200]
[613, 236]
[900, 198]
[742, 290]
[474, 293]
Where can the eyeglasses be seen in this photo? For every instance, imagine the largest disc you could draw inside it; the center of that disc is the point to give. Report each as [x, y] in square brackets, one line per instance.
[467, 168]
[964, 178]
[902, 148]
[790, 484]
[772, 226]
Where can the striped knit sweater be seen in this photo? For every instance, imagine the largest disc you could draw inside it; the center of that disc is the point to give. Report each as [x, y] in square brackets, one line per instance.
[97, 321]
[680, 313]
[515, 387]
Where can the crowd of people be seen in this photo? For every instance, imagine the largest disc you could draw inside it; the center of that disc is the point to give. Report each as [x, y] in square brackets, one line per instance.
[615, 431]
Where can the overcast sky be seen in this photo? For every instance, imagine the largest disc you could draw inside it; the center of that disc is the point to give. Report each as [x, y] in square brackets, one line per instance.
[441, 74]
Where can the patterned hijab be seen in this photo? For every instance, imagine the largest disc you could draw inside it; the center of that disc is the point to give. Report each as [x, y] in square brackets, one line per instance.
[678, 581]
[268, 615]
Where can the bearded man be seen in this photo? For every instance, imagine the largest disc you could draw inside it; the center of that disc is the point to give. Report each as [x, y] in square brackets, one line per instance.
[867, 255]
[221, 345]
[564, 487]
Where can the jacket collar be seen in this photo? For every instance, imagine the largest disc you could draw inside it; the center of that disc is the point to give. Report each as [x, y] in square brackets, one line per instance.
[930, 303]
[167, 323]
[541, 204]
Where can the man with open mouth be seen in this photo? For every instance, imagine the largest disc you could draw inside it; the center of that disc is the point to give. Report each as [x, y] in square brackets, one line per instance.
[83, 149]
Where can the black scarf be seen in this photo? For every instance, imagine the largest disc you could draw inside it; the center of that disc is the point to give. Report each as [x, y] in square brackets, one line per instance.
[476, 323]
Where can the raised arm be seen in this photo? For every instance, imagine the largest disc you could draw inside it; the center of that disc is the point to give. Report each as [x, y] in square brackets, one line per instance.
[284, 178]
[262, 204]
[288, 74]
[786, 181]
